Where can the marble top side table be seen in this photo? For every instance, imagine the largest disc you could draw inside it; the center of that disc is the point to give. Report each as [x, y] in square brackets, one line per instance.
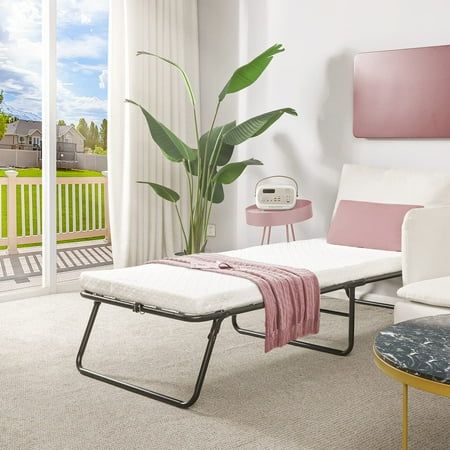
[417, 354]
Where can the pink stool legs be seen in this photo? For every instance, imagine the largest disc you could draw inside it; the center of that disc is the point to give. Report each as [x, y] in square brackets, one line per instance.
[269, 230]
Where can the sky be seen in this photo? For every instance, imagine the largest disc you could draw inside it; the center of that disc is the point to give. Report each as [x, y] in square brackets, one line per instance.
[82, 48]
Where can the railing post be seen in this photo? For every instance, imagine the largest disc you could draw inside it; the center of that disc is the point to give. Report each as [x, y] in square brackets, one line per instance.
[106, 208]
[11, 211]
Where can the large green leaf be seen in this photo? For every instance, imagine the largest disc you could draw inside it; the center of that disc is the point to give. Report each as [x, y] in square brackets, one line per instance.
[191, 168]
[172, 147]
[246, 75]
[218, 195]
[163, 191]
[182, 72]
[254, 126]
[225, 150]
[227, 174]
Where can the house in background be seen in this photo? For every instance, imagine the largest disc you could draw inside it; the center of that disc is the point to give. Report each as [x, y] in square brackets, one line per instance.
[69, 138]
[27, 135]
[22, 135]
[21, 144]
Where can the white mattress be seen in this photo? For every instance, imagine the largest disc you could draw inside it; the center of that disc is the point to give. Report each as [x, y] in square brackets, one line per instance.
[198, 292]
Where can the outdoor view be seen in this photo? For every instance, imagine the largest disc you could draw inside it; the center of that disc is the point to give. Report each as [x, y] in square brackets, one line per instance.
[82, 129]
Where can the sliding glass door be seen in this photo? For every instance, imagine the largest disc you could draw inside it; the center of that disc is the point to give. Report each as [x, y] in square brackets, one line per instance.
[53, 143]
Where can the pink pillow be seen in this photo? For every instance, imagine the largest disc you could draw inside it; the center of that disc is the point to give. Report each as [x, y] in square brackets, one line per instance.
[368, 225]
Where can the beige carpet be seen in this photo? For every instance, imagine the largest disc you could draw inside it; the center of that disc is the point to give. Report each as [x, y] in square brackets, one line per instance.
[288, 399]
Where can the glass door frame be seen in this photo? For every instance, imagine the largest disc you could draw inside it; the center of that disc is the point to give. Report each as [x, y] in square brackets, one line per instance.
[49, 93]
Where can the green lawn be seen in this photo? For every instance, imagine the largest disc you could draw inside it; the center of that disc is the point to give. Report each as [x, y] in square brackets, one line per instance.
[70, 211]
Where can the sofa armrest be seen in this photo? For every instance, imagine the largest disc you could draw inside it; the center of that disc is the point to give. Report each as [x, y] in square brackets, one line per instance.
[426, 244]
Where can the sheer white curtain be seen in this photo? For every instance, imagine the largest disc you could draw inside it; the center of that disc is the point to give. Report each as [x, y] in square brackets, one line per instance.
[143, 226]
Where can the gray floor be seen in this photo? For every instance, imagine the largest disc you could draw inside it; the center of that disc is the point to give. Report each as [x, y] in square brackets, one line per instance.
[288, 399]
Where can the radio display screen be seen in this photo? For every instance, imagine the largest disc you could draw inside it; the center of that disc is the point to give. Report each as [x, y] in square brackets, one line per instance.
[268, 191]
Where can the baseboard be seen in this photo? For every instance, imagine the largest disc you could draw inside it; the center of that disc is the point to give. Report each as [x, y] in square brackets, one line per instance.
[23, 293]
[38, 291]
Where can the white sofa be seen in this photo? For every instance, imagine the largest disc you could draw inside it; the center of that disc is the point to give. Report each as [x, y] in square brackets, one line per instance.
[428, 188]
[425, 264]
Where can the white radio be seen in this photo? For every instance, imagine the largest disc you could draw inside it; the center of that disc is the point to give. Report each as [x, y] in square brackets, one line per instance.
[276, 196]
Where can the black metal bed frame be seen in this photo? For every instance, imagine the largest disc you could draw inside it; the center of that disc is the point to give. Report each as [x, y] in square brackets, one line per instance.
[217, 318]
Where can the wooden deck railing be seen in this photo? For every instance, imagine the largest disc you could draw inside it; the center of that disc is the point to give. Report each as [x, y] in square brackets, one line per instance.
[82, 209]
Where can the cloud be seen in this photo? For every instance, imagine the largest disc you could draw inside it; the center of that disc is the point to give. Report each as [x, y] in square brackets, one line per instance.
[82, 11]
[85, 19]
[4, 35]
[22, 86]
[103, 79]
[71, 106]
[86, 46]
[11, 86]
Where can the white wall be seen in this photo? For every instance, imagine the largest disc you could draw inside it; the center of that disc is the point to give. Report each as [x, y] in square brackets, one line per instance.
[218, 37]
[314, 76]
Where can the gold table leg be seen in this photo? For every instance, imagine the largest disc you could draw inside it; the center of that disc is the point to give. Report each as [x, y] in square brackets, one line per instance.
[405, 418]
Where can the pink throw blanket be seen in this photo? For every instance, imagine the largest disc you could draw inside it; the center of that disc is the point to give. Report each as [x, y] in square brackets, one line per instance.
[291, 296]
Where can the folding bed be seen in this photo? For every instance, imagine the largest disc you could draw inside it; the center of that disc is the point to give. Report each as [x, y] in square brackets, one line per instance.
[197, 296]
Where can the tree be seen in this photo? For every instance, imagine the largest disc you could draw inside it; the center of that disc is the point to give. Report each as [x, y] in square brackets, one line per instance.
[4, 119]
[99, 151]
[61, 123]
[93, 136]
[83, 128]
[104, 134]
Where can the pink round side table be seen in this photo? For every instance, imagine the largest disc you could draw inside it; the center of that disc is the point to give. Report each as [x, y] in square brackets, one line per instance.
[271, 218]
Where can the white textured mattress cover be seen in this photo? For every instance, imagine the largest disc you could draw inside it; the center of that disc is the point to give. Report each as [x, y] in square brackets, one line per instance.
[199, 292]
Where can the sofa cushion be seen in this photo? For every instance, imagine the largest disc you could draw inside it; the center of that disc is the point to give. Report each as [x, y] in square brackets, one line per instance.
[434, 292]
[406, 310]
[368, 225]
[400, 186]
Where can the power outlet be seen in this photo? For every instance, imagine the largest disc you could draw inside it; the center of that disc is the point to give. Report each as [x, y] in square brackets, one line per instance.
[211, 231]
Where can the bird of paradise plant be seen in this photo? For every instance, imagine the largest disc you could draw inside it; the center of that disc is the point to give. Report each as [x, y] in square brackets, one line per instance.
[208, 166]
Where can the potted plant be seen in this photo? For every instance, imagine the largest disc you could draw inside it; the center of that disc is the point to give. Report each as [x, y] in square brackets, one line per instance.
[208, 166]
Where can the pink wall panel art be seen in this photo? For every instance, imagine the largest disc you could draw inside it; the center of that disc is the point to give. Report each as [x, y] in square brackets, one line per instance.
[402, 93]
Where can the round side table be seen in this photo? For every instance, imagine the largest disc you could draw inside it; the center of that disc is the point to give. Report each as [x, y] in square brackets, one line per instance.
[416, 353]
[271, 218]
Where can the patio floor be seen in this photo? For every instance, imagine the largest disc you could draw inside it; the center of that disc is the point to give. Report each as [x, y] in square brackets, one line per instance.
[20, 270]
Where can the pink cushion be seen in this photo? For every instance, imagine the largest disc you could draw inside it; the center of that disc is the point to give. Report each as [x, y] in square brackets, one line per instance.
[368, 225]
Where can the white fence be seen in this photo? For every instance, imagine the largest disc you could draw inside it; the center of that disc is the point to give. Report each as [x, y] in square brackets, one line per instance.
[19, 158]
[82, 209]
[90, 161]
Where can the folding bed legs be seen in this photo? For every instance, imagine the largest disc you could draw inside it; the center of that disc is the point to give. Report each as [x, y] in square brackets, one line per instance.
[321, 348]
[215, 327]
[216, 322]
